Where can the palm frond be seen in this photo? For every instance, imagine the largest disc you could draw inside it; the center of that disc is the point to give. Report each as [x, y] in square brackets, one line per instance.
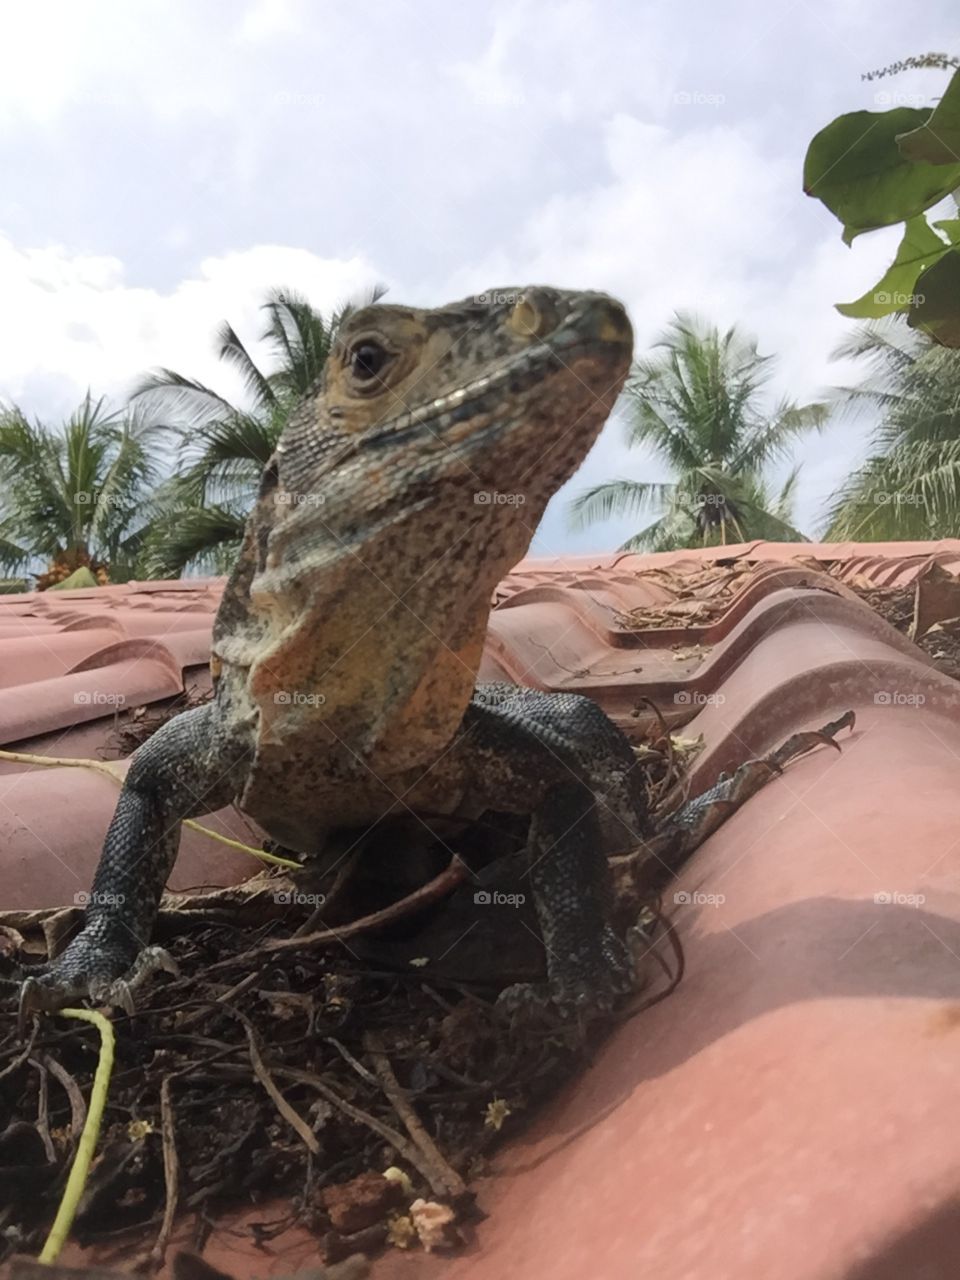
[909, 485]
[231, 349]
[182, 405]
[782, 504]
[674, 530]
[770, 439]
[697, 400]
[192, 537]
[616, 498]
[14, 556]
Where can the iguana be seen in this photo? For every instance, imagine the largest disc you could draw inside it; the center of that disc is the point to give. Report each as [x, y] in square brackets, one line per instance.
[347, 643]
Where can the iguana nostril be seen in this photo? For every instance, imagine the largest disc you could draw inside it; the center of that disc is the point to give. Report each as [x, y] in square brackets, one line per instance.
[532, 316]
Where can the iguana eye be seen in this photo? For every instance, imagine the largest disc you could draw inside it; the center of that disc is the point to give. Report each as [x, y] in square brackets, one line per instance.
[366, 360]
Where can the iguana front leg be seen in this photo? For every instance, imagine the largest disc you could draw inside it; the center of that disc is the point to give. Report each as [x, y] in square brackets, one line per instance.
[181, 771]
[536, 754]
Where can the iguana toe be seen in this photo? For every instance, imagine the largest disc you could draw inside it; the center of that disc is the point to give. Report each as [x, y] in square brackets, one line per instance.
[60, 984]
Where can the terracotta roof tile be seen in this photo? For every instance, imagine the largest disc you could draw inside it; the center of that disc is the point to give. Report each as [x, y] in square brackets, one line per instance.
[69, 660]
[782, 1113]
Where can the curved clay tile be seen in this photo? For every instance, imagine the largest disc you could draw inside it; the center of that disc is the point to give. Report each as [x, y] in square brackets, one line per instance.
[53, 822]
[782, 1114]
[161, 622]
[46, 654]
[88, 620]
[134, 652]
[14, 626]
[178, 649]
[88, 693]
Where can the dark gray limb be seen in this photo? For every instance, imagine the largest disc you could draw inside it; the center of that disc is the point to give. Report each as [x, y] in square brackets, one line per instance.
[602, 751]
[526, 763]
[177, 773]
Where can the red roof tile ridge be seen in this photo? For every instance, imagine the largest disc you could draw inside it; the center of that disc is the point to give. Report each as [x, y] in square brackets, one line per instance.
[678, 695]
[113, 593]
[791, 604]
[782, 997]
[110, 590]
[93, 691]
[612, 624]
[64, 810]
[637, 561]
[93, 622]
[137, 649]
[216, 581]
[825, 657]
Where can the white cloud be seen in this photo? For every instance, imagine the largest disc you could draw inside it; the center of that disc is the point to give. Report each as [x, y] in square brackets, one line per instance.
[267, 19]
[161, 56]
[654, 151]
[573, 62]
[702, 221]
[75, 320]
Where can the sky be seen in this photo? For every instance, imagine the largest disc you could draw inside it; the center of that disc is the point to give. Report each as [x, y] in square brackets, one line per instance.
[165, 162]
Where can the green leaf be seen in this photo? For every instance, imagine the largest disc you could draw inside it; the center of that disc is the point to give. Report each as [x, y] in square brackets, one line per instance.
[937, 308]
[937, 141]
[81, 577]
[951, 229]
[855, 168]
[919, 249]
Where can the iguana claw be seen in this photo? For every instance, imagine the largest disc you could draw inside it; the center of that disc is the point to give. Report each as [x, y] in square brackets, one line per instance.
[45, 993]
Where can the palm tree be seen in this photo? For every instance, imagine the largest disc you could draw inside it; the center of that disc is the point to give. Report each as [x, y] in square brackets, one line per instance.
[223, 447]
[697, 403]
[909, 485]
[76, 497]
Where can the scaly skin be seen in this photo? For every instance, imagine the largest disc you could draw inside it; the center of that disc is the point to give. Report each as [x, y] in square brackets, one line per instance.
[346, 647]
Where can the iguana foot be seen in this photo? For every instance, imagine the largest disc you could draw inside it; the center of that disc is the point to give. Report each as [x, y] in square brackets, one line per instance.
[68, 981]
[537, 1009]
[580, 988]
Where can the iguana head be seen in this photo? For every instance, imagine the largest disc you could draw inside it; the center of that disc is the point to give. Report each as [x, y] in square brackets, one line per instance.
[473, 413]
[401, 493]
